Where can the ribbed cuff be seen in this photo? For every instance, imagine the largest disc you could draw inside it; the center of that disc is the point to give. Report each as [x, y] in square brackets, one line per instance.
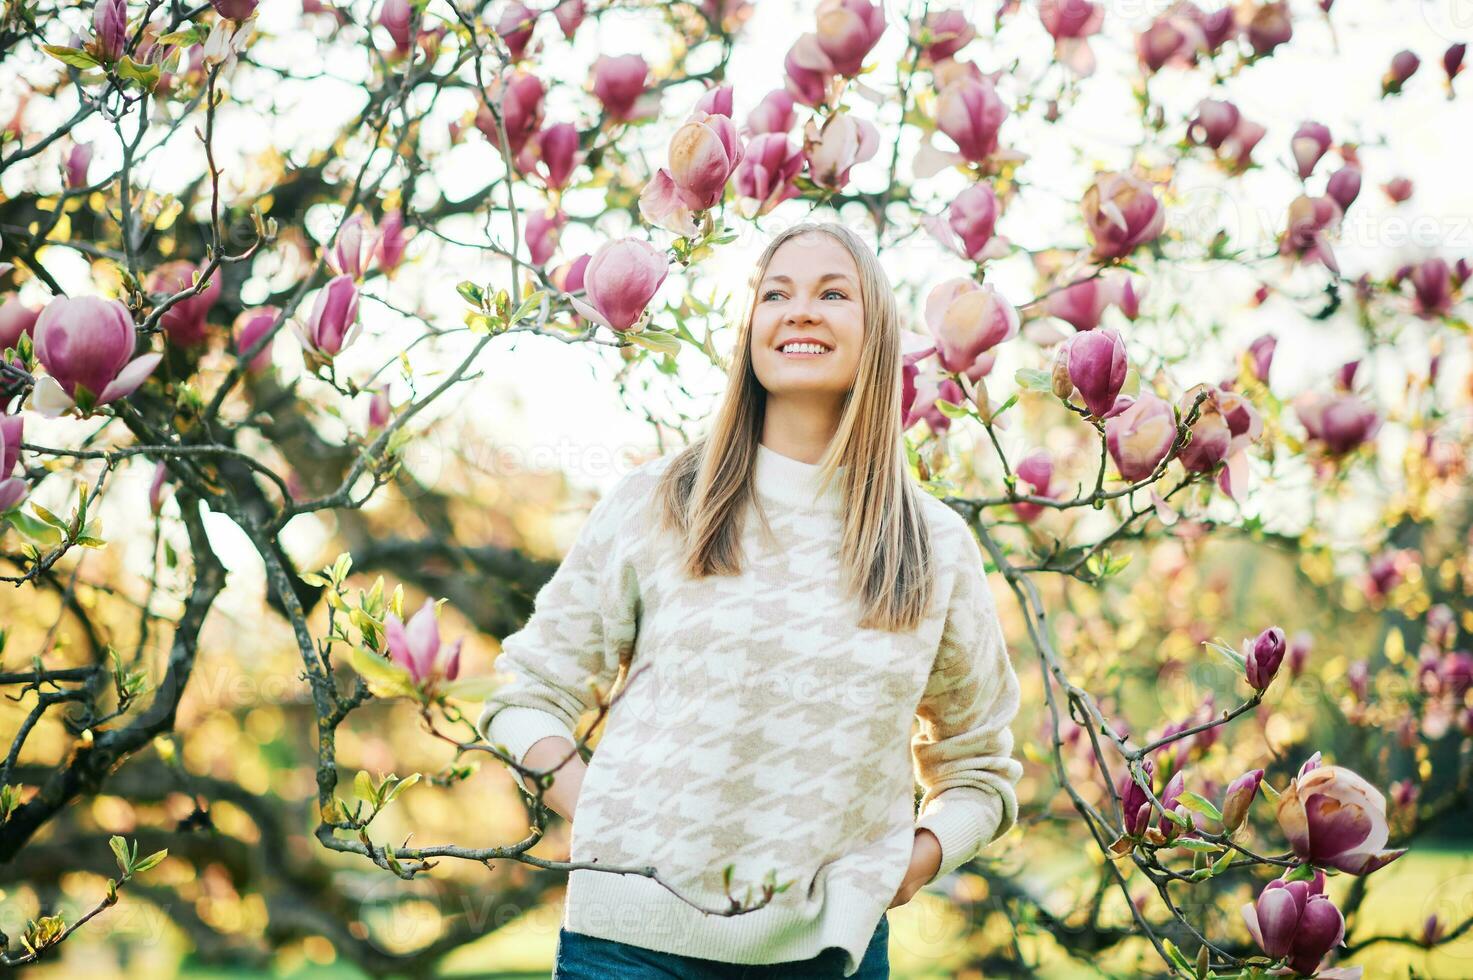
[964, 822]
[517, 729]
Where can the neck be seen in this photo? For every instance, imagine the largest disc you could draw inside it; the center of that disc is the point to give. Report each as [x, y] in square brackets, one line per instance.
[794, 483]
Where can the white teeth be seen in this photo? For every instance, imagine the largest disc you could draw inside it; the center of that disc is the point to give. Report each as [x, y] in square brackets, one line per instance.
[803, 349]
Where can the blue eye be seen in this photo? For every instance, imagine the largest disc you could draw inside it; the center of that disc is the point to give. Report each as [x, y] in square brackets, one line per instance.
[841, 295]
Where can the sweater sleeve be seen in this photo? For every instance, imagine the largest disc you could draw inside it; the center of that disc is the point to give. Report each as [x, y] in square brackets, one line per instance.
[963, 751]
[583, 622]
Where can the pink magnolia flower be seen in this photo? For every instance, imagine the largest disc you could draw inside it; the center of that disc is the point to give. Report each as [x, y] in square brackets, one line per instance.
[352, 250]
[1262, 353]
[1081, 304]
[388, 249]
[1175, 39]
[1093, 361]
[396, 16]
[765, 175]
[235, 9]
[333, 323]
[1344, 186]
[619, 83]
[1214, 122]
[970, 225]
[716, 101]
[521, 108]
[1037, 470]
[619, 282]
[1211, 437]
[1071, 22]
[110, 23]
[1295, 919]
[86, 346]
[417, 648]
[78, 160]
[542, 233]
[13, 489]
[968, 320]
[1268, 27]
[1121, 212]
[15, 319]
[1398, 189]
[943, 33]
[379, 408]
[1310, 142]
[1432, 285]
[1241, 793]
[515, 27]
[557, 149]
[931, 386]
[833, 150]
[250, 326]
[184, 322]
[1311, 219]
[970, 111]
[703, 154]
[1333, 818]
[1134, 802]
[1140, 437]
[809, 71]
[1452, 62]
[847, 31]
[1340, 422]
[1404, 65]
[156, 494]
[570, 14]
[1236, 151]
[774, 114]
[1262, 660]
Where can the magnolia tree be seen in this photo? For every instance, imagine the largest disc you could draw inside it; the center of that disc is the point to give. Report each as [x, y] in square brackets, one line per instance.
[182, 184]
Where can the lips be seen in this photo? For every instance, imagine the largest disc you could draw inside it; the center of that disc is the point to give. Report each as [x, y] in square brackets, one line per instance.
[805, 340]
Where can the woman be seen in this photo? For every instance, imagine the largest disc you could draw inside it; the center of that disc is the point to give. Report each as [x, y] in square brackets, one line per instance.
[765, 673]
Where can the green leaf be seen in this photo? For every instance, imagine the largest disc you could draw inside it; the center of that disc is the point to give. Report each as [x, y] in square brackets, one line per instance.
[472, 293]
[49, 517]
[363, 787]
[150, 861]
[385, 679]
[75, 57]
[1034, 379]
[950, 410]
[400, 787]
[120, 851]
[656, 340]
[145, 75]
[530, 304]
[1196, 846]
[1304, 872]
[1220, 865]
[1177, 956]
[1199, 804]
[1269, 793]
[1227, 652]
[470, 688]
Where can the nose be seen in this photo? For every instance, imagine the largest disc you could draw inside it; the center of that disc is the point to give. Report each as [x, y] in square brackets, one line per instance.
[801, 311]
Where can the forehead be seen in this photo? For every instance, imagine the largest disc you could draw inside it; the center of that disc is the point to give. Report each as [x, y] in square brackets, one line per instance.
[810, 256]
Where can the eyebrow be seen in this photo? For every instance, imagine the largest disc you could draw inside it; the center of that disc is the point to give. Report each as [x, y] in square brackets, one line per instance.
[823, 278]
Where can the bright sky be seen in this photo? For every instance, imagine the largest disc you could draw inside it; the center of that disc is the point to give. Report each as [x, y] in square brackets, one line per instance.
[555, 402]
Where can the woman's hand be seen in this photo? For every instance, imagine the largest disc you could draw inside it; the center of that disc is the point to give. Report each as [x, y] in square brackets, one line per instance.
[562, 796]
[925, 861]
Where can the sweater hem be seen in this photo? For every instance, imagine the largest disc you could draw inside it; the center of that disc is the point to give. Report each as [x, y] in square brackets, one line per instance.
[639, 911]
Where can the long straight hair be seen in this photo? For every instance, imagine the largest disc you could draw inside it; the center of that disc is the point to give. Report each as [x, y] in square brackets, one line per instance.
[886, 552]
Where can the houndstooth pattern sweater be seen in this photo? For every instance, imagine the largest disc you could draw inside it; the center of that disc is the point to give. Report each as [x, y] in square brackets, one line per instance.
[760, 727]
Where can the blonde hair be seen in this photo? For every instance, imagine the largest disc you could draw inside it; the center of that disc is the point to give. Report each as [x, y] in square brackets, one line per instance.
[886, 551]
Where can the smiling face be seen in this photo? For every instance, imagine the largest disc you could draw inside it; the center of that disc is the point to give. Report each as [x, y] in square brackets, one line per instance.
[810, 290]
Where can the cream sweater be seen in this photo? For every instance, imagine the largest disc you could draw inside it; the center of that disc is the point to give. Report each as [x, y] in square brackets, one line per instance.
[763, 729]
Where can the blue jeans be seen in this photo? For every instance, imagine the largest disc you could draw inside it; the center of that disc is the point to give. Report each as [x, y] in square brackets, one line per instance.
[581, 957]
